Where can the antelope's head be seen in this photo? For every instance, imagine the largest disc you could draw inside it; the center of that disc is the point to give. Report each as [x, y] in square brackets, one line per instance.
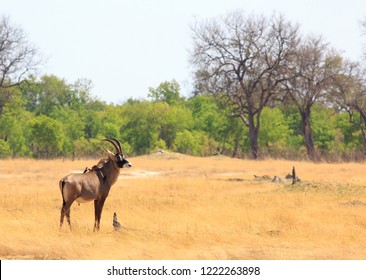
[117, 157]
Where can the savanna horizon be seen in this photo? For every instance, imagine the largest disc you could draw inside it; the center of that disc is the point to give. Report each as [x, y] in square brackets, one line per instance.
[173, 206]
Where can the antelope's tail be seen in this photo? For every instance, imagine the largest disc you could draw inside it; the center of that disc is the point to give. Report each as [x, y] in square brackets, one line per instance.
[62, 185]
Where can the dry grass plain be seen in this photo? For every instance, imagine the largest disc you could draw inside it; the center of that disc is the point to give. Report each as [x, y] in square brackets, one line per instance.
[180, 207]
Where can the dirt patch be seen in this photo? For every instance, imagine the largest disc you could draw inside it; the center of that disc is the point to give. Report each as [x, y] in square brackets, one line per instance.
[138, 174]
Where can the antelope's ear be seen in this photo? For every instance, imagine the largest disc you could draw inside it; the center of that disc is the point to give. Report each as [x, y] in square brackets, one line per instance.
[109, 153]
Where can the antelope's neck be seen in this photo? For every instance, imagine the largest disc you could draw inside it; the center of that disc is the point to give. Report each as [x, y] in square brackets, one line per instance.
[111, 172]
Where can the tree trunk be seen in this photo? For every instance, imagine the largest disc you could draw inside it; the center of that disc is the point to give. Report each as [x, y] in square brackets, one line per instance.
[253, 137]
[236, 148]
[362, 126]
[364, 140]
[308, 138]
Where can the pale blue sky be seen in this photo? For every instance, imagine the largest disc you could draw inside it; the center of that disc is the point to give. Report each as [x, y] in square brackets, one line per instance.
[124, 47]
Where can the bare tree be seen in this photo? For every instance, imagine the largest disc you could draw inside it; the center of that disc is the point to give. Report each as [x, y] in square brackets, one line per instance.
[313, 71]
[244, 59]
[349, 95]
[363, 33]
[17, 57]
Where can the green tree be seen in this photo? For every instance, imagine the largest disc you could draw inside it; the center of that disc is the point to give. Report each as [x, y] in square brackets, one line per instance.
[295, 139]
[209, 117]
[54, 93]
[112, 121]
[72, 125]
[187, 142]
[14, 125]
[274, 132]
[351, 137]
[5, 151]
[141, 125]
[212, 116]
[152, 125]
[168, 92]
[50, 92]
[324, 128]
[92, 124]
[47, 137]
[174, 119]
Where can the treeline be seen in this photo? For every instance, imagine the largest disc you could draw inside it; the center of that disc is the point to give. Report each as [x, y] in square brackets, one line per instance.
[47, 118]
[256, 62]
[261, 89]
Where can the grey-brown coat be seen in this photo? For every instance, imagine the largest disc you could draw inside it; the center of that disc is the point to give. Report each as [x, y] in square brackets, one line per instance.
[93, 185]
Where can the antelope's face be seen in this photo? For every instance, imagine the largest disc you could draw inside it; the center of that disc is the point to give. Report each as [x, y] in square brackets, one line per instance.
[118, 157]
[121, 161]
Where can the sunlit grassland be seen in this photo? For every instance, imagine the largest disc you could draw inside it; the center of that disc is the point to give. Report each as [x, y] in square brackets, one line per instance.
[179, 207]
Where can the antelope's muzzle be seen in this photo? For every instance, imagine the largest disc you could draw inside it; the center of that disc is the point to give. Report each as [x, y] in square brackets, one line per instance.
[124, 163]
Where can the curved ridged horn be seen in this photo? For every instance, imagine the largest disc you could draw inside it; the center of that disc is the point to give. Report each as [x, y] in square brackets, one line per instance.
[119, 144]
[114, 144]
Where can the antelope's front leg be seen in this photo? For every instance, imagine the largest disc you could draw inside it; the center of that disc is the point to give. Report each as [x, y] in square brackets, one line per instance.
[98, 208]
[96, 224]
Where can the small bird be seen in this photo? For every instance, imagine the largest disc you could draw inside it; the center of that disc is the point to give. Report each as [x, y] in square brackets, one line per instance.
[116, 224]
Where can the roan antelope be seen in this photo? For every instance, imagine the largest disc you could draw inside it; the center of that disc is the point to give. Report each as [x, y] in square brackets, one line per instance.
[93, 184]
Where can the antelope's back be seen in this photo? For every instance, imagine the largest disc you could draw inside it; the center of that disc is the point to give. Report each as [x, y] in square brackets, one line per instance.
[86, 185]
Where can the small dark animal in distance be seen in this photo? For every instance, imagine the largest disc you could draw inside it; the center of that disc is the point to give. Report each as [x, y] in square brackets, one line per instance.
[116, 224]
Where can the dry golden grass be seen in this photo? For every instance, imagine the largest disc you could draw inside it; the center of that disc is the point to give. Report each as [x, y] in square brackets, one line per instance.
[179, 207]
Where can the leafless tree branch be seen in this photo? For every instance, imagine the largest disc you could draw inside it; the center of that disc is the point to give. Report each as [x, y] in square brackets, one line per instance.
[17, 56]
[245, 58]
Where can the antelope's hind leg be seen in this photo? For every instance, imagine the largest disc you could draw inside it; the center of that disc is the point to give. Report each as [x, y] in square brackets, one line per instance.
[65, 210]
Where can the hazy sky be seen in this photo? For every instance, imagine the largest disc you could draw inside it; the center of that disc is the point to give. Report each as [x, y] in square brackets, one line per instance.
[125, 47]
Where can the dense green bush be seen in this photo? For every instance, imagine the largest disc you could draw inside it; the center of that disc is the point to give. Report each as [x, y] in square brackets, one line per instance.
[50, 118]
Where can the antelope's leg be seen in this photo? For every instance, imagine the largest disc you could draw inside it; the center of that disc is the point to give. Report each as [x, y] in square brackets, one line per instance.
[65, 210]
[68, 217]
[96, 214]
[62, 215]
[100, 208]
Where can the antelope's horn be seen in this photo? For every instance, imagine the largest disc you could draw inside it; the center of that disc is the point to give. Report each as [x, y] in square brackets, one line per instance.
[114, 144]
[119, 144]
